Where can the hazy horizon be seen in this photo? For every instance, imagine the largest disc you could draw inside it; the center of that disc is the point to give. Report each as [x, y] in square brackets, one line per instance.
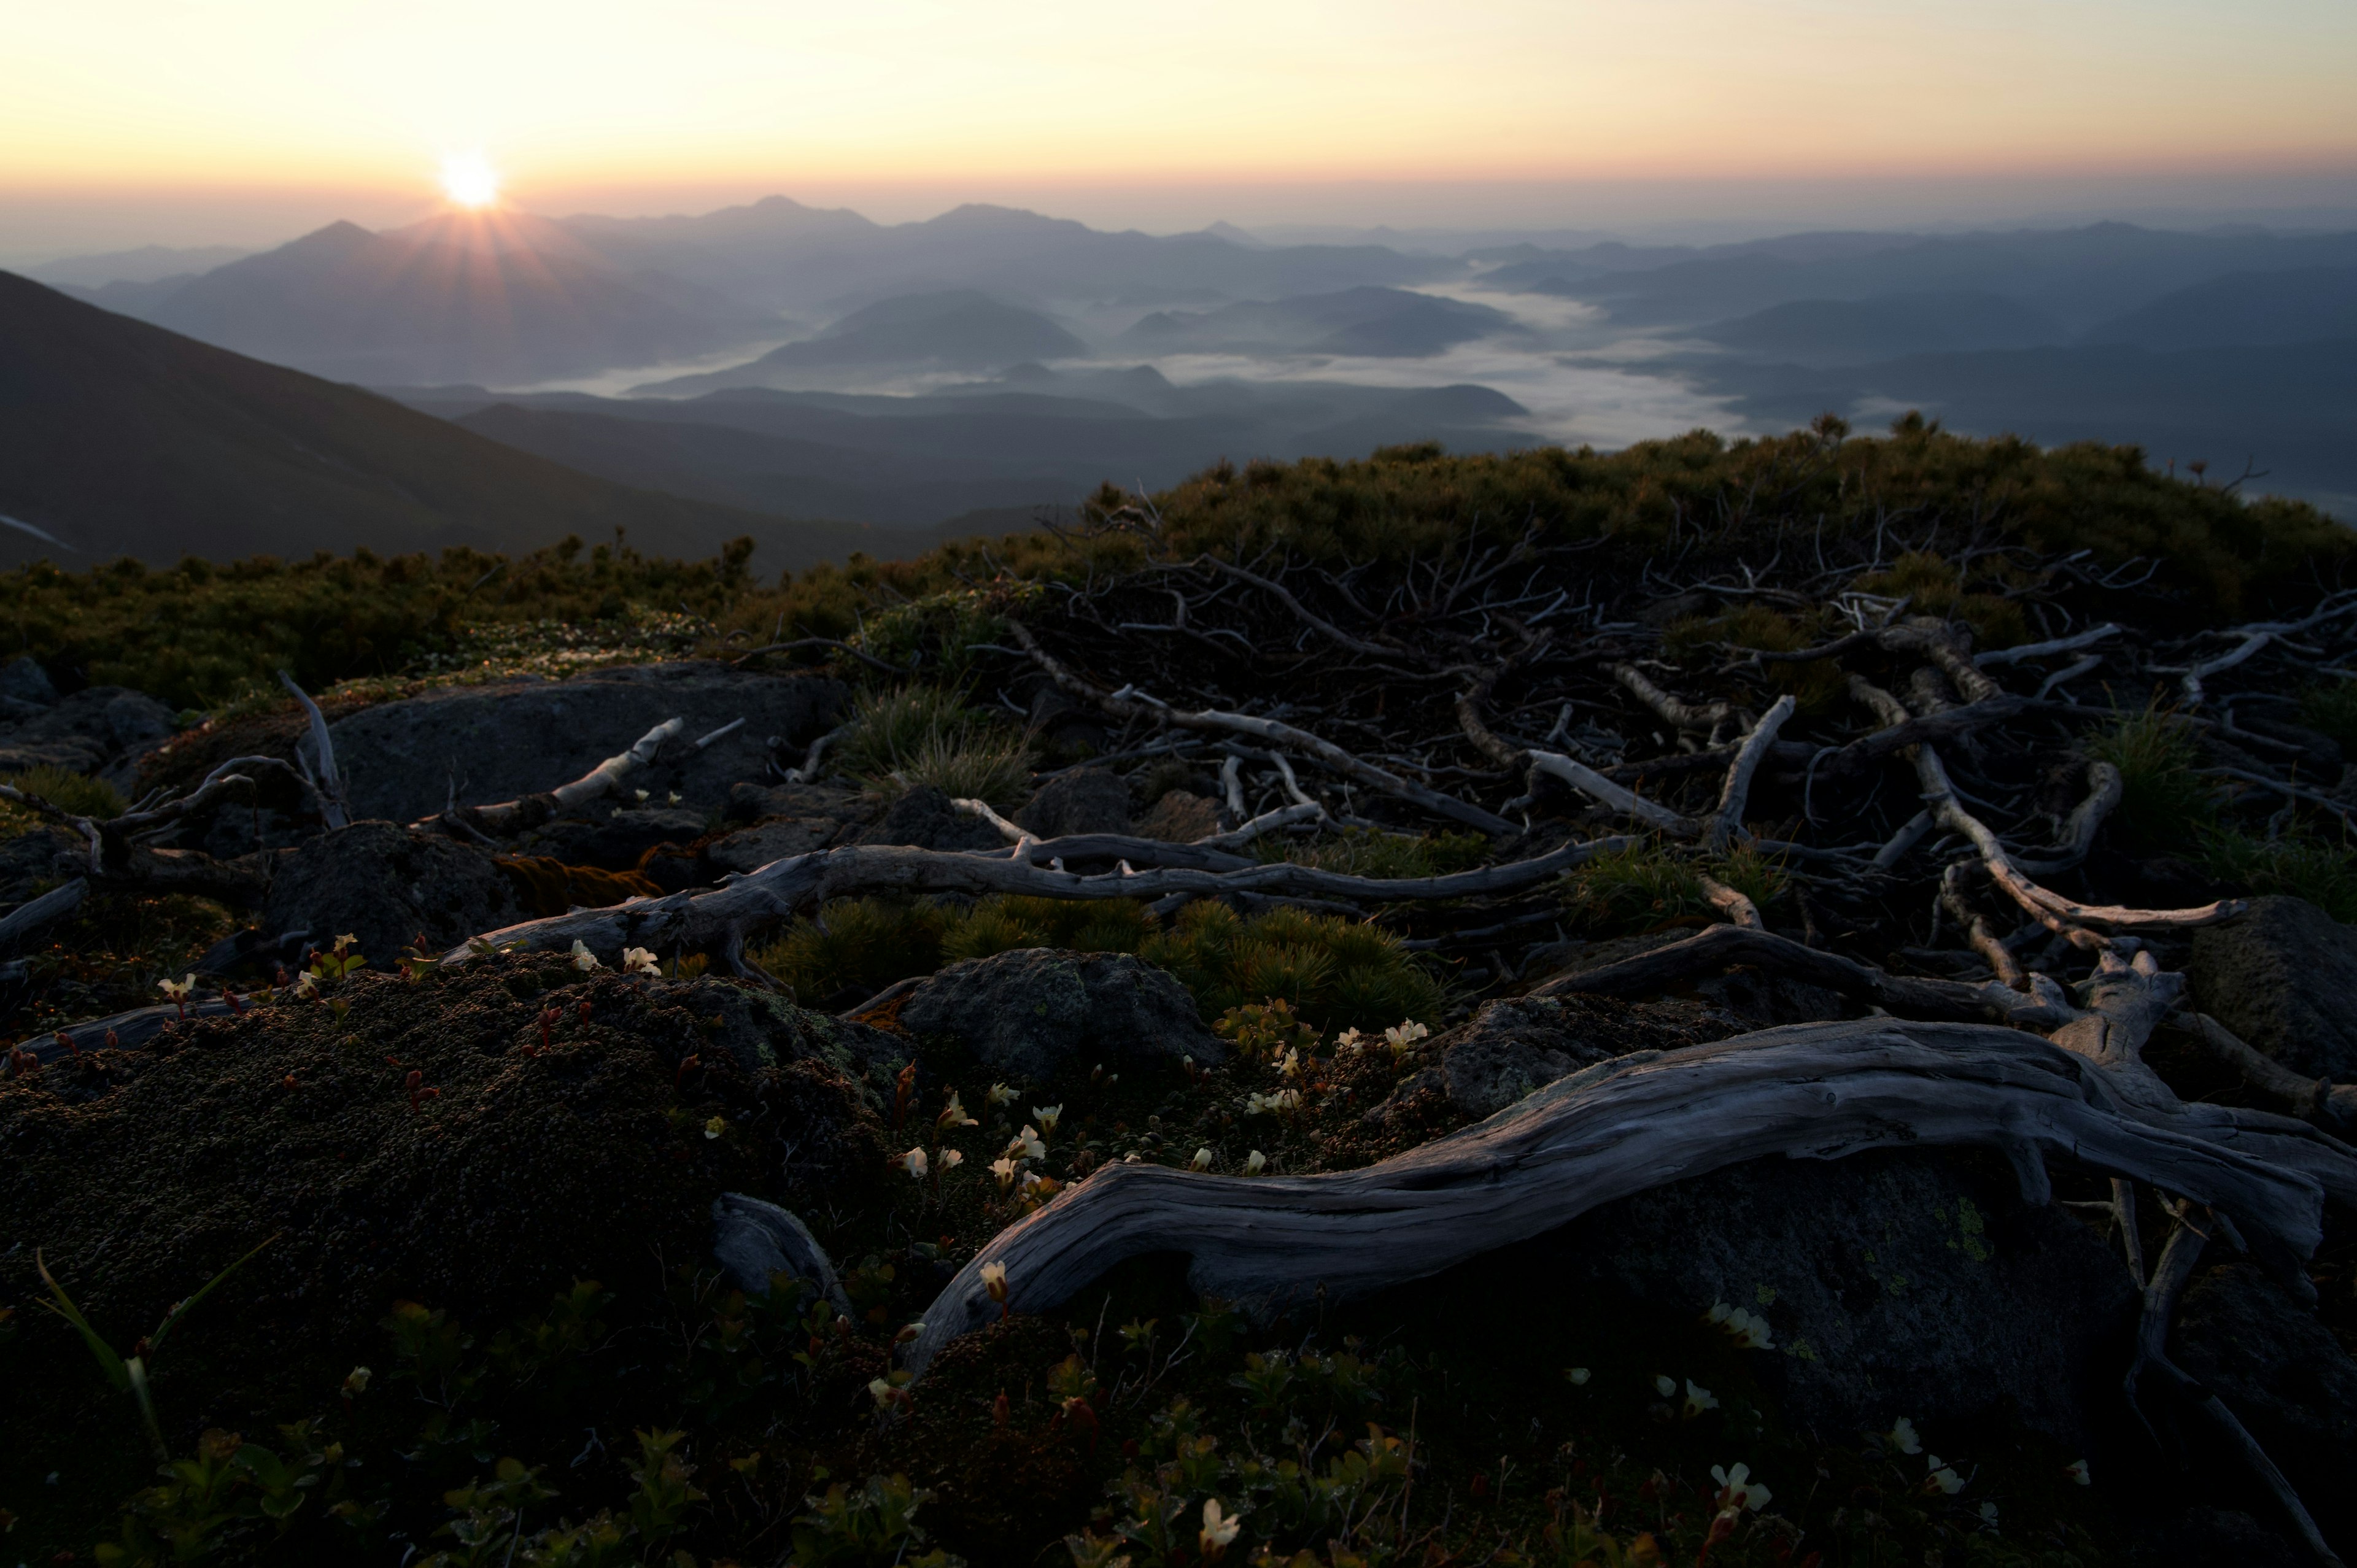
[148, 123]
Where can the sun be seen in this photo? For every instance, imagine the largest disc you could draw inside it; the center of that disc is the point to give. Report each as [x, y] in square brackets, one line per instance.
[470, 180]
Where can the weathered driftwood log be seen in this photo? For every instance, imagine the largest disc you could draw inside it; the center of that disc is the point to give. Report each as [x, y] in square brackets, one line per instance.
[1720, 947]
[507, 818]
[1121, 706]
[33, 914]
[1811, 1092]
[719, 920]
[2310, 1097]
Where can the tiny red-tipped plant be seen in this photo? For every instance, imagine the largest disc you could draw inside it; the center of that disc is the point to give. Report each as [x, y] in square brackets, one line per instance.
[235, 1003]
[549, 1018]
[112, 1043]
[419, 1093]
[999, 1411]
[904, 1090]
[686, 1063]
[289, 1082]
[23, 1063]
[585, 1012]
[68, 1042]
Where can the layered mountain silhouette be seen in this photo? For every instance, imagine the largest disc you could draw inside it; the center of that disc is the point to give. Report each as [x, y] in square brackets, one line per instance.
[963, 329]
[120, 439]
[1387, 323]
[500, 298]
[1850, 331]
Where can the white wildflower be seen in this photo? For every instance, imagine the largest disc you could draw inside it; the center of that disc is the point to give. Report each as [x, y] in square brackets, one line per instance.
[1738, 1491]
[1698, 1399]
[640, 961]
[583, 959]
[914, 1163]
[1255, 1163]
[1202, 1160]
[1901, 1437]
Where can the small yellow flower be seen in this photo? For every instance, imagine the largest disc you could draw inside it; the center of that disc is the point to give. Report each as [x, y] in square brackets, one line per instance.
[994, 1280]
[641, 795]
[176, 990]
[714, 1128]
[1004, 1169]
[674, 797]
[356, 1382]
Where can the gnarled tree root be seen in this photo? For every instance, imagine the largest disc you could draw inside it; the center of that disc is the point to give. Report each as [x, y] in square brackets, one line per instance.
[1812, 1091]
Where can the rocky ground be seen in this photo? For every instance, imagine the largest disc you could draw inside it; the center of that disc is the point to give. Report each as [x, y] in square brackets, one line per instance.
[617, 1236]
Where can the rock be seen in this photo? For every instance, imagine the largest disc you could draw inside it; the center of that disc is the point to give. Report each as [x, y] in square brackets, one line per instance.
[1893, 1284]
[1089, 801]
[1515, 1044]
[384, 885]
[1511, 1047]
[758, 802]
[755, 1241]
[1028, 1013]
[749, 849]
[521, 737]
[614, 839]
[23, 679]
[31, 857]
[100, 730]
[2206, 1537]
[925, 818]
[2285, 1377]
[1181, 817]
[762, 1030]
[2283, 977]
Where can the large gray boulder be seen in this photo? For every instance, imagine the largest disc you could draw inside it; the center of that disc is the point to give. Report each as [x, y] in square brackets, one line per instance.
[1029, 1013]
[1892, 1283]
[519, 737]
[2283, 977]
[1089, 801]
[2285, 1378]
[100, 730]
[385, 884]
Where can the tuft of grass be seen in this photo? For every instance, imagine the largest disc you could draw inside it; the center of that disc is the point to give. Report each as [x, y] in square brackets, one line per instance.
[70, 792]
[1336, 974]
[2298, 863]
[1818, 686]
[927, 735]
[1758, 876]
[1362, 852]
[1938, 588]
[2331, 710]
[2164, 804]
[1000, 924]
[867, 942]
[1635, 889]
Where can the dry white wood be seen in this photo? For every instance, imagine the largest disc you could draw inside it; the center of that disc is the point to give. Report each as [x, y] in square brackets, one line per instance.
[1122, 704]
[330, 783]
[1703, 718]
[1727, 821]
[1597, 787]
[1814, 1091]
[731, 727]
[1738, 909]
[608, 775]
[808, 771]
[2087, 638]
[717, 921]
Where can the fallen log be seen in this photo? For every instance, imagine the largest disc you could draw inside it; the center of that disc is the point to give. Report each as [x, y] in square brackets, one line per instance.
[717, 921]
[1809, 1091]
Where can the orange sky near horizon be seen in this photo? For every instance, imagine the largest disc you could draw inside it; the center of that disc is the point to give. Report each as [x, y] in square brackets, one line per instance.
[159, 95]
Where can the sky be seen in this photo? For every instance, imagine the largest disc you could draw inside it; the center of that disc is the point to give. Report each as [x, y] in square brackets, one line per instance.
[246, 121]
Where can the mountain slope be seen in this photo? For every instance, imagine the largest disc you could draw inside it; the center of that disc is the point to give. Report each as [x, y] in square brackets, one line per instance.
[960, 330]
[501, 299]
[1845, 331]
[2303, 306]
[1380, 322]
[119, 438]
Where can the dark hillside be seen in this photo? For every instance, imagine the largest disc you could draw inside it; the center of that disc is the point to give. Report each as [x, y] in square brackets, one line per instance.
[119, 438]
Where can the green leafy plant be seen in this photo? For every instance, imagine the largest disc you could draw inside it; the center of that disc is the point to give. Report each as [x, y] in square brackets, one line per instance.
[74, 793]
[927, 735]
[2164, 804]
[128, 1374]
[876, 1524]
[1634, 889]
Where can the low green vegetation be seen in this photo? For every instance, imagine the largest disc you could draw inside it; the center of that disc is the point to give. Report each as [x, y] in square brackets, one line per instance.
[2164, 804]
[69, 791]
[1647, 887]
[919, 733]
[202, 634]
[1336, 973]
